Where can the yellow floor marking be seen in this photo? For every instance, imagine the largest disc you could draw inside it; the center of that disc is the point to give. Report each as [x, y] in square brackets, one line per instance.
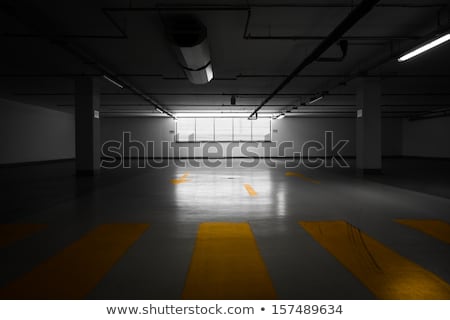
[182, 179]
[250, 190]
[226, 264]
[10, 233]
[301, 176]
[384, 272]
[76, 270]
[435, 228]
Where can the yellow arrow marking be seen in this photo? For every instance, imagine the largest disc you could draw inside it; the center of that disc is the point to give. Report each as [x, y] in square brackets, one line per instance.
[250, 190]
[182, 179]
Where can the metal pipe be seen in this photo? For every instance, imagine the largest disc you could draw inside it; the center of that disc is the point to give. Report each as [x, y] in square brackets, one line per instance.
[355, 15]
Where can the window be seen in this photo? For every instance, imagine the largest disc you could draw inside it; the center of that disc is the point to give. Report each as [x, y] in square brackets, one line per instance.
[242, 129]
[204, 129]
[185, 130]
[223, 129]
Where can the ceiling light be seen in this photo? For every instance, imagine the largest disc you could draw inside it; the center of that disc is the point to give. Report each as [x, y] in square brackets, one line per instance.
[114, 82]
[280, 116]
[425, 47]
[313, 100]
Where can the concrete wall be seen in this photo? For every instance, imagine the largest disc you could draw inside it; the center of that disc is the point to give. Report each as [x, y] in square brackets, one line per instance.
[297, 130]
[31, 133]
[391, 137]
[427, 138]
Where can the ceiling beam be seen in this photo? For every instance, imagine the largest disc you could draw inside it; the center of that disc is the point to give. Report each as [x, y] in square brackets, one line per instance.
[355, 15]
[25, 12]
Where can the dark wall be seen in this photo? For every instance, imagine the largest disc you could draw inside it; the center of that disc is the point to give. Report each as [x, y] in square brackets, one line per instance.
[427, 138]
[30, 133]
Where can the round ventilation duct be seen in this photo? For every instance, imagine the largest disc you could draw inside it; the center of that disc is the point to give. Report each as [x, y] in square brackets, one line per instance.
[189, 37]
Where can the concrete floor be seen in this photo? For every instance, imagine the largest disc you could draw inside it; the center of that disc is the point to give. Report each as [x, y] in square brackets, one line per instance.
[161, 260]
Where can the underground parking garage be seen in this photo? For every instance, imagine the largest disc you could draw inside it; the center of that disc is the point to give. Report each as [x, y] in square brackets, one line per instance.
[225, 150]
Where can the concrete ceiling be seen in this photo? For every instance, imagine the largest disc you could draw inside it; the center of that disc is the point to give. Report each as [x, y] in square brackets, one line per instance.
[128, 37]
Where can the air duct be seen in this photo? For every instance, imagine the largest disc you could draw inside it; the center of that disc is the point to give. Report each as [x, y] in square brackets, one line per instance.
[189, 37]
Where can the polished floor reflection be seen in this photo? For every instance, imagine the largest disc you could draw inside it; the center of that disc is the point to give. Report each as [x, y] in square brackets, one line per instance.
[197, 231]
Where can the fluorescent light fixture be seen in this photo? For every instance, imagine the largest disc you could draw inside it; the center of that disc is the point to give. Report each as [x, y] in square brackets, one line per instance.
[159, 110]
[217, 115]
[280, 116]
[114, 82]
[315, 99]
[425, 47]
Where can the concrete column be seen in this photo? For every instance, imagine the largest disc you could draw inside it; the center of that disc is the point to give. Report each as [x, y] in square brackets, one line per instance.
[87, 126]
[368, 126]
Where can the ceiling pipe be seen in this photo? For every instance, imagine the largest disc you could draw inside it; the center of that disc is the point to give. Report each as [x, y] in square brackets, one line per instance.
[188, 36]
[355, 15]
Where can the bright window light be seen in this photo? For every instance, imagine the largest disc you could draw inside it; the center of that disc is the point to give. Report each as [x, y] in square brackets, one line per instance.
[185, 130]
[223, 129]
[204, 129]
[242, 129]
[425, 47]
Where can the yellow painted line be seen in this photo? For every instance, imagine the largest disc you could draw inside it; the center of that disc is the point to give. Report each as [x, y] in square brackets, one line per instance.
[250, 190]
[182, 179]
[226, 264]
[10, 233]
[384, 272]
[75, 271]
[301, 176]
[436, 228]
